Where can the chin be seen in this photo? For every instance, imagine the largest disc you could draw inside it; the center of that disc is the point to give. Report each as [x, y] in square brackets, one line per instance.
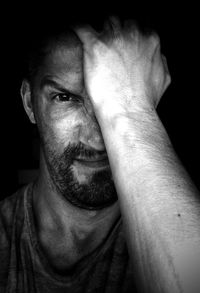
[92, 192]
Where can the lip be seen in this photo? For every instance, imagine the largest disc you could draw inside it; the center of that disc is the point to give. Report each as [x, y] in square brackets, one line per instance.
[93, 163]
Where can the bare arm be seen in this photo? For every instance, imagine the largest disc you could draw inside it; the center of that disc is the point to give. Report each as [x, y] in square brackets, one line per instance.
[159, 203]
[160, 206]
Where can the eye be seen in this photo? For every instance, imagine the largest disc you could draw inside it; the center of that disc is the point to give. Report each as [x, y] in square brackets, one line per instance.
[65, 97]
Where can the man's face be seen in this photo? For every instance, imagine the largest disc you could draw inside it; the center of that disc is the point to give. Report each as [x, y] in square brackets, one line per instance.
[72, 143]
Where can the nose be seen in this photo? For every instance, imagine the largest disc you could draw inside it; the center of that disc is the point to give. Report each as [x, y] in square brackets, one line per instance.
[91, 134]
[95, 137]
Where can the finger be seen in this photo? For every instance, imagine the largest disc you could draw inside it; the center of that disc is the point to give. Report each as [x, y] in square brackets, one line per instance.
[164, 59]
[131, 25]
[112, 27]
[155, 40]
[115, 22]
[86, 34]
[132, 30]
[167, 76]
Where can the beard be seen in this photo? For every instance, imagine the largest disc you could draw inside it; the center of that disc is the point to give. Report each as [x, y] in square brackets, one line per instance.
[99, 192]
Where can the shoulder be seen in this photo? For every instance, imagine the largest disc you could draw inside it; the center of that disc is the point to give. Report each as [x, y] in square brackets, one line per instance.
[11, 209]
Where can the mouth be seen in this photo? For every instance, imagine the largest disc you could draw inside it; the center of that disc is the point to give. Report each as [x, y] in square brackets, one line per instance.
[95, 162]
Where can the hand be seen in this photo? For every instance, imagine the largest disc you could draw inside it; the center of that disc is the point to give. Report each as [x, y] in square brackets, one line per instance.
[123, 69]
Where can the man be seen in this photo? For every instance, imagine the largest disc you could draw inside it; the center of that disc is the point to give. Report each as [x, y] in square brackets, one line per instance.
[109, 178]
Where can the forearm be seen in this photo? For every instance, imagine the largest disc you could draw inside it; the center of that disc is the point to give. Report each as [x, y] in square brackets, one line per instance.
[159, 203]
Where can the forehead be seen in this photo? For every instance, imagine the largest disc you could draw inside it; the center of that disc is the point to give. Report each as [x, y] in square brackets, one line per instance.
[64, 63]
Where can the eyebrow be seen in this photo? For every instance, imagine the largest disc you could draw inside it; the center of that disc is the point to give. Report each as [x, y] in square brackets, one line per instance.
[47, 81]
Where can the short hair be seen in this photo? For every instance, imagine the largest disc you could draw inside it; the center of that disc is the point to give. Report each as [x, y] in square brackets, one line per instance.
[42, 45]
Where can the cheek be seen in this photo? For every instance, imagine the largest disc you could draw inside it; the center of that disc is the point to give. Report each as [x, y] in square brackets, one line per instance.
[61, 125]
[66, 128]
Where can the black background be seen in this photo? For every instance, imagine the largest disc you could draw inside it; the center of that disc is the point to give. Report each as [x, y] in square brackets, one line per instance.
[178, 27]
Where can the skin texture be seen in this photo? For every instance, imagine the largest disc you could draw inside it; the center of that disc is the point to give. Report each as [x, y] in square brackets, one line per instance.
[69, 186]
[126, 76]
[69, 131]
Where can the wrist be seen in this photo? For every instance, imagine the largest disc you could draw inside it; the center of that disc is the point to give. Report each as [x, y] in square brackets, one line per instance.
[123, 102]
[141, 131]
[136, 120]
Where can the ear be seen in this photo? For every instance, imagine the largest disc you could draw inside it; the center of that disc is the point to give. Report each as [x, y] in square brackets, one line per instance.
[26, 99]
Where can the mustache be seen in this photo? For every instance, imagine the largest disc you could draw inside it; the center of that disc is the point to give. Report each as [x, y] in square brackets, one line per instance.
[81, 150]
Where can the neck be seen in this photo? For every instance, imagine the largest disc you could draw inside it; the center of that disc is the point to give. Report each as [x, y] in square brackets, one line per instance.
[74, 231]
[55, 207]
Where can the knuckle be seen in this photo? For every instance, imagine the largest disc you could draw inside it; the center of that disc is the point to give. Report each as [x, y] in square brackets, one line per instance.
[155, 39]
[168, 79]
[130, 24]
[131, 28]
[164, 60]
[115, 21]
[99, 46]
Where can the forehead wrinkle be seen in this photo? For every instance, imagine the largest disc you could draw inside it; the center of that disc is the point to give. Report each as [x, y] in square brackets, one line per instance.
[71, 59]
[65, 66]
[66, 83]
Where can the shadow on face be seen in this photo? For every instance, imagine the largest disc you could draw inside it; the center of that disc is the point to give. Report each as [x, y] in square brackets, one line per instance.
[72, 145]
